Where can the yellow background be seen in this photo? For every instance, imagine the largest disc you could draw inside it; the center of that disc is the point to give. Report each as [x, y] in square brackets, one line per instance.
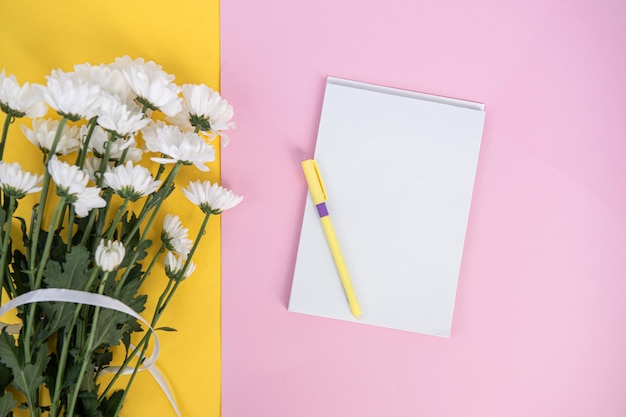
[182, 36]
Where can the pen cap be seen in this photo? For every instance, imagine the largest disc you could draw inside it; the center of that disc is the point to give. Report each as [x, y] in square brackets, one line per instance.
[314, 180]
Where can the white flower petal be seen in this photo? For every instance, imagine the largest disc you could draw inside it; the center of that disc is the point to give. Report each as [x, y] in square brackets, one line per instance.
[21, 99]
[175, 236]
[44, 131]
[70, 94]
[69, 177]
[109, 255]
[117, 117]
[109, 78]
[131, 181]
[187, 147]
[87, 200]
[151, 84]
[174, 265]
[118, 149]
[202, 104]
[211, 198]
[16, 182]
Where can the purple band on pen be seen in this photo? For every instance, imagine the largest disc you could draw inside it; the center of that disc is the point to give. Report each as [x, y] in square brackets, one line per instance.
[322, 210]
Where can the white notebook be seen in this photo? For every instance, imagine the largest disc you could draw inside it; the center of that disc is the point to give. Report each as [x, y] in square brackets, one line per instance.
[398, 168]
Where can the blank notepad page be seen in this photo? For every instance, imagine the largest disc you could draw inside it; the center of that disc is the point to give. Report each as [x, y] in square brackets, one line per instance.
[399, 170]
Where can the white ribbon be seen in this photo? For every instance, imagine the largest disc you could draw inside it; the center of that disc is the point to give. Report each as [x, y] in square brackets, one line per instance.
[96, 300]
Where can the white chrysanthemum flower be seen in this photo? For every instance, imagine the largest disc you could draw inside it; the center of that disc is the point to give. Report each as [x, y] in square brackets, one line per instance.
[71, 183]
[211, 198]
[203, 109]
[186, 147]
[109, 255]
[118, 118]
[19, 101]
[120, 148]
[130, 181]
[174, 265]
[153, 86]
[174, 236]
[71, 95]
[17, 183]
[43, 132]
[109, 78]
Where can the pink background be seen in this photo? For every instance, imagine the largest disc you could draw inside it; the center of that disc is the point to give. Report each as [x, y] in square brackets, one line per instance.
[539, 326]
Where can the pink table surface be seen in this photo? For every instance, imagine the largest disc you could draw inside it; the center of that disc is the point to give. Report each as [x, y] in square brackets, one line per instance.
[539, 326]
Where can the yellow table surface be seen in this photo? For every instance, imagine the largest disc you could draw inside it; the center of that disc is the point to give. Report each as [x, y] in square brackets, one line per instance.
[182, 36]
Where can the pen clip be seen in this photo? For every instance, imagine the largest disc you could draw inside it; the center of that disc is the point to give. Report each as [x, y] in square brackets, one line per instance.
[314, 180]
[319, 179]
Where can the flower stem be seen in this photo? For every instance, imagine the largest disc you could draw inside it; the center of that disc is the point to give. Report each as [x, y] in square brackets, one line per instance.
[162, 303]
[42, 202]
[137, 251]
[144, 212]
[37, 282]
[143, 345]
[7, 121]
[155, 210]
[87, 351]
[164, 300]
[105, 161]
[118, 216]
[153, 262]
[99, 180]
[70, 227]
[55, 410]
[46, 250]
[80, 161]
[5, 243]
[197, 241]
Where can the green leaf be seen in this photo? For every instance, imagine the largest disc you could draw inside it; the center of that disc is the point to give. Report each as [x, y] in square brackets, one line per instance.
[128, 295]
[7, 403]
[52, 369]
[57, 249]
[103, 358]
[58, 315]
[71, 375]
[127, 226]
[6, 376]
[118, 324]
[10, 355]
[110, 404]
[25, 240]
[126, 342]
[108, 330]
[81, 226]
[73, 274]
[141, 248]
[20, 274]
[166, 329]
[33, 373]
[27, 377]
[88, 404]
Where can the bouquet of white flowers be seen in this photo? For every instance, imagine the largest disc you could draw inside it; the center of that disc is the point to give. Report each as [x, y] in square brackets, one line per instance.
[73, 271]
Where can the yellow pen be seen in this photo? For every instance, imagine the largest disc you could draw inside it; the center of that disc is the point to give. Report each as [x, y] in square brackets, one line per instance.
[318, 194]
